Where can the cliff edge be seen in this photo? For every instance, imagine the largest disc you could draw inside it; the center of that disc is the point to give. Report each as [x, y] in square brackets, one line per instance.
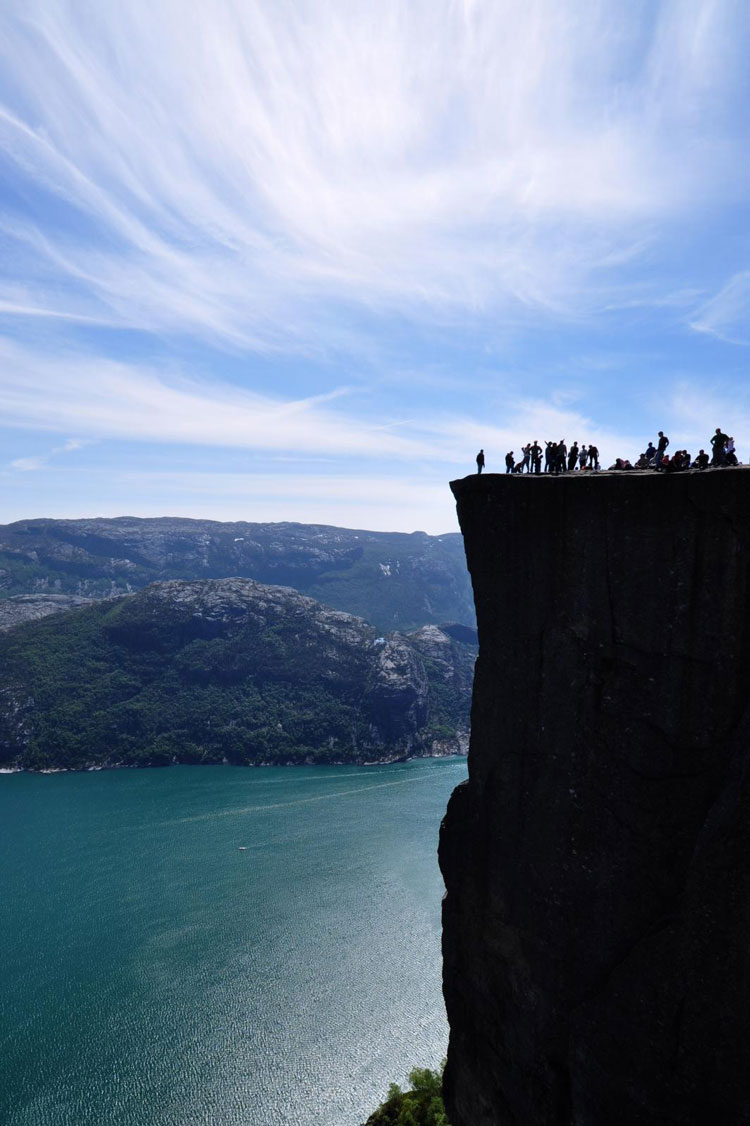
[596, 928]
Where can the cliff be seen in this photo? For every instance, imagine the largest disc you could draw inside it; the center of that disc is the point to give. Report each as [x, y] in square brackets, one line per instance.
[226, 670]
[597, 862]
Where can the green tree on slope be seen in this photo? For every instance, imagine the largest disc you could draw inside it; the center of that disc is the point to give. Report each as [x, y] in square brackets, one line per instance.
[421, 1105]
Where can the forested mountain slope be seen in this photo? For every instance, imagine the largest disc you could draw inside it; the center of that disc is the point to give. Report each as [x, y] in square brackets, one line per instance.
[227, 670]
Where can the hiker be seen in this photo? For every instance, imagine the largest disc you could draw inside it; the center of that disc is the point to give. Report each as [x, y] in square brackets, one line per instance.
[594, 457]
[509, 462]
[562, 456]
[536, 457]
[583, 457]
[573, 457]
[480, 461]
[718, 442]
[524, 464]
[661, 447]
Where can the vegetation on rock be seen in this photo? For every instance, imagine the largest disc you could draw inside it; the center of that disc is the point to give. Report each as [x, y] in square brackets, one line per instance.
[226, 671]
[421, 1105]
[395, 580]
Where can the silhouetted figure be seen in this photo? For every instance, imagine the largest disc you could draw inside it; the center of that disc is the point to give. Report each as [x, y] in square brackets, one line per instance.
[573, 457]
[583, 457]
[562, 455]
[729, 451]
[718, 442]
[661, 447]
[650, 452]
[702, 460]
[593, 457]
[536, 457]
[509, 462]
[644, 460]
[480, 461]
[548, 456]
[524, 463]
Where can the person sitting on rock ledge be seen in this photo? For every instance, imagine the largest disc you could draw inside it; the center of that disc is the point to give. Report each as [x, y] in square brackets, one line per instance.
[702, 460]
[480, 461]
[729, 452]
[644, 460]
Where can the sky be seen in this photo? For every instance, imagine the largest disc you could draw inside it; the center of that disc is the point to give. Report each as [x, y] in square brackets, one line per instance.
[299, 259]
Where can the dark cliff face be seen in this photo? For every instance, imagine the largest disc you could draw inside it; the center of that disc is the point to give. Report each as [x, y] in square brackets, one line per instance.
[597, 862]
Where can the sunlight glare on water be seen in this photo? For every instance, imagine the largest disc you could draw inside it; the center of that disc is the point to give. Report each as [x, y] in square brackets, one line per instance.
[211, 946]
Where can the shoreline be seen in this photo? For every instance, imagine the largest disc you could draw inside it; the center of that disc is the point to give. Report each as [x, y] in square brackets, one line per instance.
[96, 768]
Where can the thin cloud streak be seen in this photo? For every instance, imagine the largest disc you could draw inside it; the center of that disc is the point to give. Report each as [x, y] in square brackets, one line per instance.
[727, 314]
[230, 169]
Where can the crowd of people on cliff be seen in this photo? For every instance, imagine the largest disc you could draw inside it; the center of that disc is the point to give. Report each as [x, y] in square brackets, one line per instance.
[557, 457]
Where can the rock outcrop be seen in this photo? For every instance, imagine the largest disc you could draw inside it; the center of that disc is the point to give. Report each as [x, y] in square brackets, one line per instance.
[597, 862]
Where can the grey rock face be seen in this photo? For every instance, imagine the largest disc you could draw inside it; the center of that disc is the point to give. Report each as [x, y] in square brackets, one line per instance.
[30, 607]
[597, 862]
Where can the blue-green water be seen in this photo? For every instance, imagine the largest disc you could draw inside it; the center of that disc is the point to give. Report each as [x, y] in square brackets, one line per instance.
[155, 975]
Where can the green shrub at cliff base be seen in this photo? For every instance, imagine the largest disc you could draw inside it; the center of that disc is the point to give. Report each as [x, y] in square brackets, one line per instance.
[421, 1105]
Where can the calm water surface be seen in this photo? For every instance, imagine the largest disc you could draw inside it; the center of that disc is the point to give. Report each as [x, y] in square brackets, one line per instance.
[155, 975]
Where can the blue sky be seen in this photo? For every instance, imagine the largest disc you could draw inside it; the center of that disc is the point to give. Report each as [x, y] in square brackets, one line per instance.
[300, 259]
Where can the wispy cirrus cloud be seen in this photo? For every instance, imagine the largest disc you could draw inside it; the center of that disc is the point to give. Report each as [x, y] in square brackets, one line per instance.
[247, 172]
[727, 314]
[41, 461]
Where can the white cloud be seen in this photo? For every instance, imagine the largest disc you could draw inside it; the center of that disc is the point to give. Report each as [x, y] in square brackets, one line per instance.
[727, 314]
[108, 399]
[236, 167]
[41, 461]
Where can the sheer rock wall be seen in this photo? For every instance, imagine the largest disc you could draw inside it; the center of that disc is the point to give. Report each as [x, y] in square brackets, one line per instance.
[596, 930]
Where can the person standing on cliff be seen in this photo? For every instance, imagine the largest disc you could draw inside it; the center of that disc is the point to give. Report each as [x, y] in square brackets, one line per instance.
[718, 442]
[593, 457]
[536, 457]
[573, 457]
[562, 456]
[509, 462]
[661, 447]
[583, 457]
[480, 461]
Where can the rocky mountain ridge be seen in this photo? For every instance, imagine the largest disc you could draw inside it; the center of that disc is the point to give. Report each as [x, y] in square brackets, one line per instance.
[395, 580]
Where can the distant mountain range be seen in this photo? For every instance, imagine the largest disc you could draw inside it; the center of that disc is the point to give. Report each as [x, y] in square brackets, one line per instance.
[229, 670]
[394, 580]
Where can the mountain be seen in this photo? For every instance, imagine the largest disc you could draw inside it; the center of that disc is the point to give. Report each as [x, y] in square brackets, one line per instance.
[395, 580]
[227, 670]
